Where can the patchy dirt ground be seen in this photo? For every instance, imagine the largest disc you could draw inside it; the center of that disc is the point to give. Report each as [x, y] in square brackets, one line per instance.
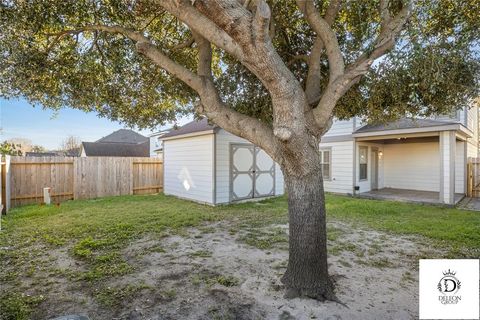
[215, 272]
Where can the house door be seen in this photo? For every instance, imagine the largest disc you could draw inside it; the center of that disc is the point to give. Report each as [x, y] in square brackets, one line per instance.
[374, 170]
[252, 173]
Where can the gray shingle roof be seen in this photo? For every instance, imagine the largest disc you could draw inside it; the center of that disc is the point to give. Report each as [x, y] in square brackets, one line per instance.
[403, 124]
[124, 136]
[191, 127]
[42, 154]
[116, 149]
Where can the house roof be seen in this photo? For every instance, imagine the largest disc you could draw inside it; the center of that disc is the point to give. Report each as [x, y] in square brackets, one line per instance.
[124, 136]
[41, 154]
[116, 149]
[75, 152]
[403, 124]
[191, 127]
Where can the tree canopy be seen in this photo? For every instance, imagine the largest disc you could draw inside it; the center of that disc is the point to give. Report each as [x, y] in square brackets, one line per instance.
[52, 56]
[10, 148]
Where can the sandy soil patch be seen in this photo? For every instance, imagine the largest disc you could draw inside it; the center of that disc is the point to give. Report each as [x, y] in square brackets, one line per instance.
[213, 273]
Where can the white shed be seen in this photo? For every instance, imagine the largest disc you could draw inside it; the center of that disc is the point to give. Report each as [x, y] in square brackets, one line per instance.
[204, 163]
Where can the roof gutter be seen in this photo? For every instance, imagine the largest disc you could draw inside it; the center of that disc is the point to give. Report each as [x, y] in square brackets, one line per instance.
[391, 132]
[188, 135]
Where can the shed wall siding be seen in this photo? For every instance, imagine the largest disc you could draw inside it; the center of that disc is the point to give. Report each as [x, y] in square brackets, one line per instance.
[188, 167]
[223, 141]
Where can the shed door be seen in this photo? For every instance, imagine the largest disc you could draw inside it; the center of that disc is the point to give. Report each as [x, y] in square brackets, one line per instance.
[264, 183]
[252, 173]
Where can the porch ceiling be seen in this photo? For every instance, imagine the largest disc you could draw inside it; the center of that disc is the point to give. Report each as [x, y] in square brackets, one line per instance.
[412, 129]
[401, 140]
[407, 137]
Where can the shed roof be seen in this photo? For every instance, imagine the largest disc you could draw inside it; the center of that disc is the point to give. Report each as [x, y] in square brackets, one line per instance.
[191, 127]
[116, 149]
[403, 124]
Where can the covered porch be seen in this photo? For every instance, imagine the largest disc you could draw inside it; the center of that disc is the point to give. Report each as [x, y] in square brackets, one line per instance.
[422, 161]
[406, 195]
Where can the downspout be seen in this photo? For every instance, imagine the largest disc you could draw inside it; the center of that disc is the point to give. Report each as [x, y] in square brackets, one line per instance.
[214, 171]
[354, 159]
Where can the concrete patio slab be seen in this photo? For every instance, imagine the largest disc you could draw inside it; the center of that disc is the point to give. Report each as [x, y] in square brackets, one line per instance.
[469, 204]
[406, 195]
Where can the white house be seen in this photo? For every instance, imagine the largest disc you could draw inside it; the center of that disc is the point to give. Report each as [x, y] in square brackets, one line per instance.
[156, 145]
[421, 159]
[427, 156]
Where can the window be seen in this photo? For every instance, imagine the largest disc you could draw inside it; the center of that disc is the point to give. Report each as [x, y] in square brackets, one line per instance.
[325, 159]
[452, 114]
[363, 160]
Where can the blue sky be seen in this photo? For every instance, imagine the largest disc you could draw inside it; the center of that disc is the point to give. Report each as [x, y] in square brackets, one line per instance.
[48, 128]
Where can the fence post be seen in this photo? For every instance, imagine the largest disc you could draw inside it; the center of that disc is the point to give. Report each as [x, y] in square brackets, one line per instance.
[469, 178]
[7, 183]
[74, 178]
[131, 175]
[1, 190]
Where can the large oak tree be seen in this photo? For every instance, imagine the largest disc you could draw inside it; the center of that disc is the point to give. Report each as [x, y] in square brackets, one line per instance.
[274, 72]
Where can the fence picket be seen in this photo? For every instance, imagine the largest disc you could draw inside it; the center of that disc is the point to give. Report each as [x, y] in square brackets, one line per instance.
[79, 178]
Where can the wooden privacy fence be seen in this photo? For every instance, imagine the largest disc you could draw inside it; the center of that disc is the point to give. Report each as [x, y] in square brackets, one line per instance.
[473, 177]
[23, 178]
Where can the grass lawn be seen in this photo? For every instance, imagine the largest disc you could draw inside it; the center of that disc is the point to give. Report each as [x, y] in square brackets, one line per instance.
[96, 231]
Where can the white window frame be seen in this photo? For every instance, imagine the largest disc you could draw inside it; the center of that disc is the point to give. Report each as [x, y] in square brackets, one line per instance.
[329, 163]
[360, 148]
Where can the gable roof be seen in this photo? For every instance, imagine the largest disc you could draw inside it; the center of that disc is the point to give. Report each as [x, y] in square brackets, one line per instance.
[124, 136]
[403, 124]
[191, 127]
[116, 149]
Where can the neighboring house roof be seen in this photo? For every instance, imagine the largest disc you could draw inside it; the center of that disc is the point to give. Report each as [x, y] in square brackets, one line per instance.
[121, 143]
[41, 154]
[75, 152]
[116, 149]
[403, 124]
[190, 128]
[124, 136]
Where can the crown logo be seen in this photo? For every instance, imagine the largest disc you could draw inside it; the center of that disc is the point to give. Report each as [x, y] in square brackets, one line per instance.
[449, 273]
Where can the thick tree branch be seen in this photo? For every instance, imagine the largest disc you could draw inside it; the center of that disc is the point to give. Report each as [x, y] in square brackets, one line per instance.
[185, 12]
[313, 81]
[211, 104]
[215, 109]
[186, 44]
[353, 73]
[261, 22]
[324, 31]
[250, 32]
[144, 46]
[389, 30]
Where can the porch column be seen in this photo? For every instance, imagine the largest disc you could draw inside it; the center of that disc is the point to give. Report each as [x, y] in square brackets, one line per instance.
[447, 167]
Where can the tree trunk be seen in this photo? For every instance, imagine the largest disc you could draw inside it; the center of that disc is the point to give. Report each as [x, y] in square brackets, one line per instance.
[307, 270]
